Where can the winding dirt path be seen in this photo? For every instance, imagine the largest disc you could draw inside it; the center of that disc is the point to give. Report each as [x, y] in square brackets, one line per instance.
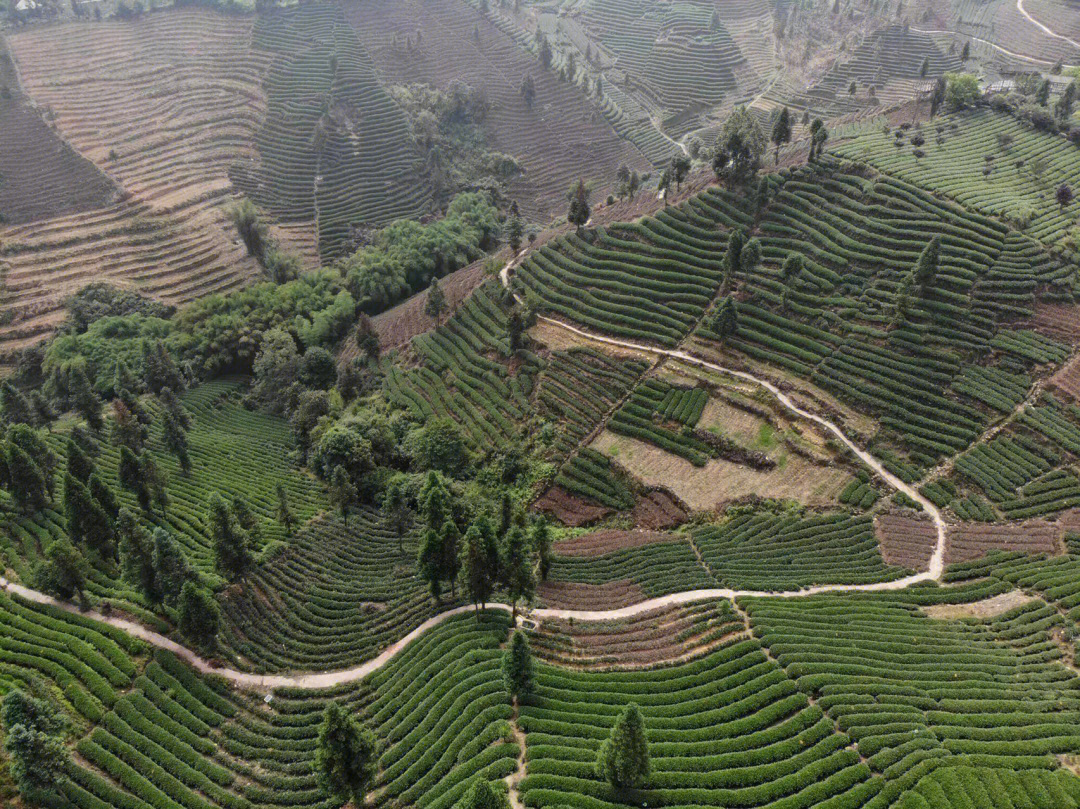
[993, 45]
[1047, 30]
[327, 679]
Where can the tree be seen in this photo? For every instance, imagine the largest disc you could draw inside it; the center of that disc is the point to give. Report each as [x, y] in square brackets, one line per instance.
[34, 740]
[541, 542]
[199, 614]
[232, 551]
[429, 561]
[750, 255]
[87, 521]
[517, 568]
[284, 512]
[367, 339]
[961, 91]
[517, 666]
[153, 484]
[318, 369]
[79, 463]
[246, 519]
[514, 233]
[434, 501]
[1064, 195]
[725, 321]
[937, 95]
[679, 168]
[479, 561]
[342, 492]
[965, 52]
[439, 445]
[924, 67]
[1042, 95]
[450, 545]
[345, 757]
[731, 259]
[903, 300]
[781, 131]
[515, 329]
[435, 304]
[793, 267]
[252, 230]
[64, 570]
[171, 568]
[137, 556]
[175, 434]
[44, 411]
[483, 795]
[927, 266]
[14, 405]
[104, 495]
[852, 88]
[395, 508]
[818, 135]
[623, 759]
[739, 148]
[543, 50]
[85, 401]
[26, 480]
[528, 91]
[578, 213]
[276, 369]
[127, 428]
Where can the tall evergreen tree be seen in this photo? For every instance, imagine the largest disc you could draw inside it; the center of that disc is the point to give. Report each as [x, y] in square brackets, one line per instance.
[176, 441]
[345, 756]
[137, 556]
[450, 552]
[429, 561]
[26, 480]
[285, 515]
[171, 567]
[34, 740]
[578, 214]
[927, 266]
[623, 759]
[104, 495]
[541, 542]
[64, 570]
[84, 399]
[395, 508]
[87, 522]
[342, 492]
[199, 614]
[482, 794]
[232, 550]
[517, 568]
[517, 666]
[14, 405]
[79, 463]
[781, 132]
[435, 304]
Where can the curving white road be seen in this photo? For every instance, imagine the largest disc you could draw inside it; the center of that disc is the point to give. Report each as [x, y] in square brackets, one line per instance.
[327, 679]
[1047, 30]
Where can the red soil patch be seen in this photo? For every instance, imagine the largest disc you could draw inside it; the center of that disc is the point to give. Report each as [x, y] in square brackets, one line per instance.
[1060, 321]
[574, 596]
[600, 542]
[973, 540]
[658, 510]
[569, 509]
[1067, 380]
[905, 541]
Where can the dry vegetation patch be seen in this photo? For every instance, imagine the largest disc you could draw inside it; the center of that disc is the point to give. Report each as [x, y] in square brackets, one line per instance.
[973, 540]
[570, 509]
[987, 608]
[575, 596]
[905, 540]
[597, 543]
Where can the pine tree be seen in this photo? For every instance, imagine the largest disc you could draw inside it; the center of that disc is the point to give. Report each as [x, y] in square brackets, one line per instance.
[732, 256]
[26, 480]
[429, 561]
[104, 495]
[137, 556]
[284, 513]
[232, 551]
[792, 268]
[450, 547]
[517, 568]
[725, 321]
[199, 614]
[367, 339]
[79, 463]
[479, 561]
[87, 522]
[541, 542]
[342, 492]
[15, 407]
[171, 567]
[85, 401]
[781, 131]
[64, 570]
[434, 501]
[623, 760]
[345, 757]
[927, 266]
[514, 233]
[153, 483]
[34, 740]
[176, 442]
[517, 666]
[750, 255]
[965, 52]
[578, 213]
[435, 304]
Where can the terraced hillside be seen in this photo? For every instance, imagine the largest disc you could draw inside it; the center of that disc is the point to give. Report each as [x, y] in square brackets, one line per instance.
[335, 152]
[163, 105]
[445, 41]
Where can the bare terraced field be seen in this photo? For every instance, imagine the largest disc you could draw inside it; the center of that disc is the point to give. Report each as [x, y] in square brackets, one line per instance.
[562, 135]
[163, 105]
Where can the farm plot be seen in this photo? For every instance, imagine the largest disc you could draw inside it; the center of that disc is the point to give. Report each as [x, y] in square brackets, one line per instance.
[650, 570]
[1054, 579]
[226, 441]
[647, 280]
[905, 541]
[552, 141]
[458, 377]
[787, 552]
[334, 597]
[334, 147]
[658, 637]
[43, 177]
[967, 144]
[164, 105]
[916, 693]
[727, 729]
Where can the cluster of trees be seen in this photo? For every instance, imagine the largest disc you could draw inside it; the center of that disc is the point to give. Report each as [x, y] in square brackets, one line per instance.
[741, 144]
[280, 266]
[488, 555]
[405, 256]
[34, 739]
[1030, 100]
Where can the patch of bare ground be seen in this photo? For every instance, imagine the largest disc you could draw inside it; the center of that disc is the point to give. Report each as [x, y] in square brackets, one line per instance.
[1066, 380]
[398, 325]
[559, 339]
[905, 540]
[665, 635]
[575, 596]
[570, 509]
[968, 541]
[718, 482]
[987, 608]
[1060, 321]
[597, 543]
[164, 105]
[658, 509]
